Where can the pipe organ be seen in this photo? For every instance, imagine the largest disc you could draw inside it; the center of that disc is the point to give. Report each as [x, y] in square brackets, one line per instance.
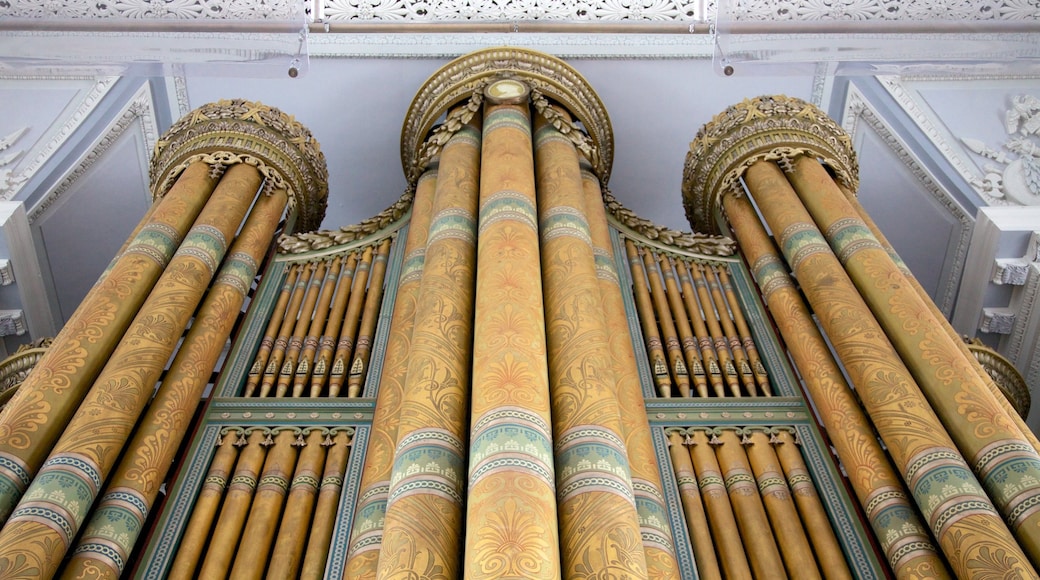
[507, 373]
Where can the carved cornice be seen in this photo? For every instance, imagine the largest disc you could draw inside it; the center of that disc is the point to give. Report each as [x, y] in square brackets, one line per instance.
[138, 110]
[467, 75]
[764, 128]
[238, 131]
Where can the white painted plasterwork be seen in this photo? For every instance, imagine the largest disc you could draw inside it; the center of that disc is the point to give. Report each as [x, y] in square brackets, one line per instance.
[890, 10]
[138, 112]
[561, 45]
[153, 10]
[88, 99]
[905, 91]
[858, 109]
[14, 227]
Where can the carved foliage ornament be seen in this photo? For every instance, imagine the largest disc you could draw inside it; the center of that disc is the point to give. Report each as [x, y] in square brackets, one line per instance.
[770, 128]
[1018, 181]
[237, 131]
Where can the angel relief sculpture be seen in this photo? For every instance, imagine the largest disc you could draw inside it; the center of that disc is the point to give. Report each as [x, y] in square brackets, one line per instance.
[1018, 181]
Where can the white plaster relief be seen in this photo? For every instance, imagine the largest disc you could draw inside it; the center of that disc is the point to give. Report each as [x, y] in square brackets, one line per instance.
[56, 136]
[997, 320]
[12, 322]
[138, 111]
[1018, 180]
[6, 273]
[857, 109]
[859, 10]
[152, 10]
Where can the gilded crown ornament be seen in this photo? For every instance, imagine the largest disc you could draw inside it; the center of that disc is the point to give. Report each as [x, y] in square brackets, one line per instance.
[229, 132]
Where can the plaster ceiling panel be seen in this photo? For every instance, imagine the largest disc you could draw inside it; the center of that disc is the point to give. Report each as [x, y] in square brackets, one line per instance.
[355, 109]
[656, 108]
[49, 110]
[967, 121]
[83, 229]
[896, 200]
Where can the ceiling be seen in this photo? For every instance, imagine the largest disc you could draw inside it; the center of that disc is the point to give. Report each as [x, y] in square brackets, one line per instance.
[83, 137]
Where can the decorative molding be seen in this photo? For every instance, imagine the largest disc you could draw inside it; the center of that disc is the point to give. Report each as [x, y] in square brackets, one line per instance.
[997, 320]
[385, 221]
[511, 10]
[84, 108]
[884, 10]
[6, 273]
[180, 87]
[1018, 182]
[1023, 345]
[770, 128]
[139, 109]
[15, 228]
[146, 10]
[706, 244]
[12, 322]
[857, 109]
[566, 45]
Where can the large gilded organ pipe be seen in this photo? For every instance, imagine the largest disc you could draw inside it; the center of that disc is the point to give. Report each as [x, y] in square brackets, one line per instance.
[207, 170]
[35, 418]
[744, 142]
[646, 477]
[904, 539]
[92, 441]
[599, 525]
[511, 476]
[1007, 464]
[136, 481]
[424, 509]
[367, 531]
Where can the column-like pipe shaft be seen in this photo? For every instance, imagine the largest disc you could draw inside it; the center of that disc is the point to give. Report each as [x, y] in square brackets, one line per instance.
[299, 332]
[810, 509]
[648, 322]
[37, 414]
[1007, 465]
[682, 324]
[433, 420]
[676, 364]
[751, 517]
[330, 335]
[228, 529]
[740, 358]
[366, 535]
[759, 371]
[263, 354]
[135, 482]
[351, 322]
[95, 436]
[511, 477]
[329, 492]
[299, 508]
[317, 327]
[285, 329]
[708, 354]
[646, 475]
[196, 533]
[718, 339]
[724, 532]
[965, 522]
[599, 525]
[783, 515]
[904, 539]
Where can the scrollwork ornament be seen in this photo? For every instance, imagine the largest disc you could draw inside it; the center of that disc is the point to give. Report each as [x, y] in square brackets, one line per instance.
[771, 128]
[239, 131]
